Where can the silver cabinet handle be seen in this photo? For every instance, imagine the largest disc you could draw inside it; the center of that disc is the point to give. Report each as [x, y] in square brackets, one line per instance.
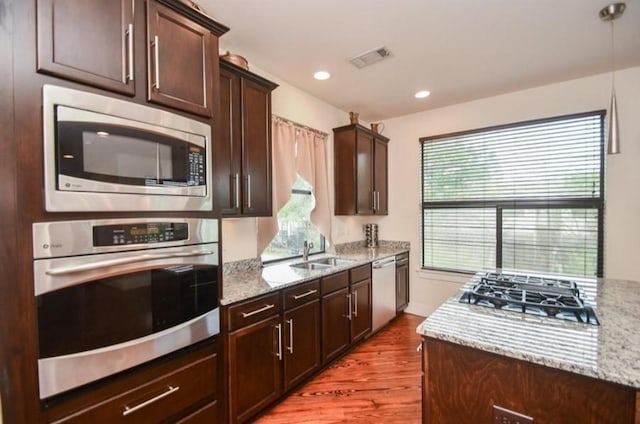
[349, 300]
[123, 261]
[402, 261]
[309, 293]
[377, 200]
[279, 353]
[355, 304]
[290, 347]
[419, 348]
[249, 191]
[373, 200]
[130, 52]
[257, 311]
[129, 410]
[156, 50]
[237, 191]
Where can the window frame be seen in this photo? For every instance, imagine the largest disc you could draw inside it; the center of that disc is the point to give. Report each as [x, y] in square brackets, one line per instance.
[596, 203]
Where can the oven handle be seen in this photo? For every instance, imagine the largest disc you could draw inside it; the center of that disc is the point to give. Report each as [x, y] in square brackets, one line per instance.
[113, 262]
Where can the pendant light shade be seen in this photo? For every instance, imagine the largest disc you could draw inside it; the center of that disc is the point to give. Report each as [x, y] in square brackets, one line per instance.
[610, 13]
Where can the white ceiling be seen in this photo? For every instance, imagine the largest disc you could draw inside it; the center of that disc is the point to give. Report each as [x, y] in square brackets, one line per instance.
[458, 49]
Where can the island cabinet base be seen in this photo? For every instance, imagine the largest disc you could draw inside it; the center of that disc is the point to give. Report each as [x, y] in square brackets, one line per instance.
[462, 385]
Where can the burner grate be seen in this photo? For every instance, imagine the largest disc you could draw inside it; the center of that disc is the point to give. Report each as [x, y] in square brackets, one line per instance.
[558, 298]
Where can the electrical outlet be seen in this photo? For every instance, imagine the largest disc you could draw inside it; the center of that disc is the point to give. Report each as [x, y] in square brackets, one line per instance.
[504, 416]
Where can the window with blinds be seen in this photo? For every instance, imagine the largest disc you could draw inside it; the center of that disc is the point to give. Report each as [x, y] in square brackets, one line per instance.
[525, 196]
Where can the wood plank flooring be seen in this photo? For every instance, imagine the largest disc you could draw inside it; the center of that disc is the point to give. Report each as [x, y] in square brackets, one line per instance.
[378, 382]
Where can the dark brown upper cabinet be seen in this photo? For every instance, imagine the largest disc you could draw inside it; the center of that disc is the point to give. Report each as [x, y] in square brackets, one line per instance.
[360, 169]
[90, 42]
[242, 151]
[99, 43]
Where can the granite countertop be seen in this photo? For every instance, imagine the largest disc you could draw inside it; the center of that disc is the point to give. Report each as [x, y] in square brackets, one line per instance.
[245, 284]
[609, 351]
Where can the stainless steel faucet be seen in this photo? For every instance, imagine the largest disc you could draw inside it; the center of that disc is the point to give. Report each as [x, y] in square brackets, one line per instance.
[306, 247]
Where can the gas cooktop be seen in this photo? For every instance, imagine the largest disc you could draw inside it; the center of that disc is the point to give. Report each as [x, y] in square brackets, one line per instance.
[545, 296]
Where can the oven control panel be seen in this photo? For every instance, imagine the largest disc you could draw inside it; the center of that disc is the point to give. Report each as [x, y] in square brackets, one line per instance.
[145, 233]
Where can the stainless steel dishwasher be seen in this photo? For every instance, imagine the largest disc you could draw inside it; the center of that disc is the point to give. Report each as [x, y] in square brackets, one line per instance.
[383, 292]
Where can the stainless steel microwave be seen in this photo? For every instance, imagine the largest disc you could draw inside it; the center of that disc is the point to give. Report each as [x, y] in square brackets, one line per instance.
[106, 154]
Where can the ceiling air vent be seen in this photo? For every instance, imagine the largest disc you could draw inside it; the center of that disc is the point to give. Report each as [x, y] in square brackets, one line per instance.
[370, 57]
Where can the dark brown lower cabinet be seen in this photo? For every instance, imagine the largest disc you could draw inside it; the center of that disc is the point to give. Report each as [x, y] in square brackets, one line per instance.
[402, 281]
[346, 310]
[255, 372]
[302, 342]
[361, 313]
[271, 351]
[462, 385]
[335, 324]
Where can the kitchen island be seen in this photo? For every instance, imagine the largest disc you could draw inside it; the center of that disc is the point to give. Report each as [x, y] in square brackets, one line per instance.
[552, 370]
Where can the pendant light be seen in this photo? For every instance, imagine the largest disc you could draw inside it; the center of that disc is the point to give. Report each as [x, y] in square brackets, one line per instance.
[611, 13]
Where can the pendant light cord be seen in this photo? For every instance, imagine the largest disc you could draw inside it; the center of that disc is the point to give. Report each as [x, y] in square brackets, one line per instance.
[613, 60]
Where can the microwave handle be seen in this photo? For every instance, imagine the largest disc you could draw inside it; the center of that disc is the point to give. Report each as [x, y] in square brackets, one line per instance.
[113, 262]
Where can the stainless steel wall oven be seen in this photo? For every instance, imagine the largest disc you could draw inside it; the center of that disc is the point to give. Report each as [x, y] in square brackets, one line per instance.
[113, 294]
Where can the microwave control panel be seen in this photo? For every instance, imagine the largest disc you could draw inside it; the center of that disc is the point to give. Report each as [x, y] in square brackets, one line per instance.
[143, 233]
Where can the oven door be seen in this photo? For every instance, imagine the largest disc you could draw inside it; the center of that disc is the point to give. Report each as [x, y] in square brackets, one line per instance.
[101, 314]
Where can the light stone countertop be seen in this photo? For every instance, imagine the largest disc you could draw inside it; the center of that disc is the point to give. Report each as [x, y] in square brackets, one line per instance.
[245, 284]
[609, 351]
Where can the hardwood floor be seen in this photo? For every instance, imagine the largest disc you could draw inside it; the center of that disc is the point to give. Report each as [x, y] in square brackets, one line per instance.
[378, 382]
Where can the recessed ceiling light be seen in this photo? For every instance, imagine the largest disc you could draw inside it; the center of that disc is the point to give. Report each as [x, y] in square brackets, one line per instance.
[422, 94]
[322, 75]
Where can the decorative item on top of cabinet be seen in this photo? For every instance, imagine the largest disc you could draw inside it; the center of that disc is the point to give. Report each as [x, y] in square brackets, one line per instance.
[242, 151]
[94, 42]
[402, 282]
[360, 169]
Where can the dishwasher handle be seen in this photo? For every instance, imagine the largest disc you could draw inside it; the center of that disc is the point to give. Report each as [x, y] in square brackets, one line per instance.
[383, 263]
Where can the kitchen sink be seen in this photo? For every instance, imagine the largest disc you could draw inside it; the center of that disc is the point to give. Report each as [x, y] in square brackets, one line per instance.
[310, 265]
[322, 263]
[332, 261]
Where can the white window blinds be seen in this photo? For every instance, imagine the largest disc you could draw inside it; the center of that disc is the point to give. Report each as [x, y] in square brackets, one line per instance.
[526, 196]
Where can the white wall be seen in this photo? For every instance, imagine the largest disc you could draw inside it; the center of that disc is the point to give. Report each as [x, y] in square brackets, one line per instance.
[622, 192]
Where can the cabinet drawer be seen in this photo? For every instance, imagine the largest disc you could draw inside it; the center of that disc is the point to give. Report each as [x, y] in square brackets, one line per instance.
[300, 294]
[157, 401]
[335, 282]
[361, 273]
[254, 310]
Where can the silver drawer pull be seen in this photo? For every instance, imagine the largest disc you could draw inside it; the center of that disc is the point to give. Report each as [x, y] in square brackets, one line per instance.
[257, 311]
[128, 410]
[309, 293]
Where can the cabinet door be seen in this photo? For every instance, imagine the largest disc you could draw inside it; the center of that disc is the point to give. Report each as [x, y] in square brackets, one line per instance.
[256, 149]
[179, 61]
[227, 147]
[335, 324]
[380, 176]
[255, 371]
[364, 171]
[402, 286]
[361, 313]
[302, 342]
[87, 41]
